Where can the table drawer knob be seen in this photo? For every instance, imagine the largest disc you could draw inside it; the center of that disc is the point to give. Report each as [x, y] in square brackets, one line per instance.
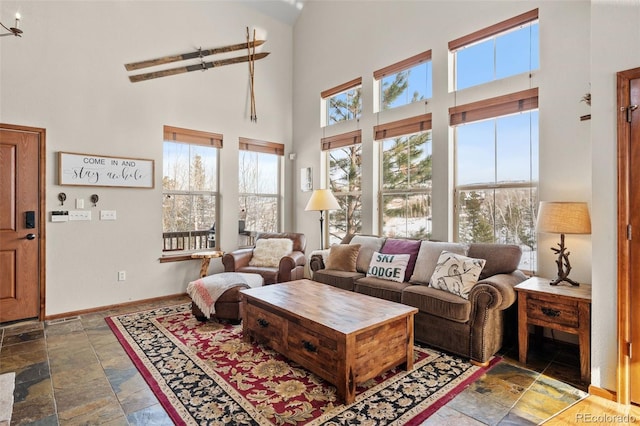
[309, 346]
[550, 312]
[263, 323]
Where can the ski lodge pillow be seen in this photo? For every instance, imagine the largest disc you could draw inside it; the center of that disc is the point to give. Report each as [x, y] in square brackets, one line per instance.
[456, 274]
[388, 266]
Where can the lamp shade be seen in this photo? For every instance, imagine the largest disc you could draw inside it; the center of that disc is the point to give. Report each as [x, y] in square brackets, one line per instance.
[563, 218]
[322, 199]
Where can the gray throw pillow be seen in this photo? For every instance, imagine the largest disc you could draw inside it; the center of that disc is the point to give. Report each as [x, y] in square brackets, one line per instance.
[368, 245]
[428, 258]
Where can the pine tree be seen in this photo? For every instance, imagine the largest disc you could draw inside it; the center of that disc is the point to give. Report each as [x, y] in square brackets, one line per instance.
[474, 225]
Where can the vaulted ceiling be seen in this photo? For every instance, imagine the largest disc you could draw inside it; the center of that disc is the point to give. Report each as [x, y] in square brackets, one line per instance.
[286, 11]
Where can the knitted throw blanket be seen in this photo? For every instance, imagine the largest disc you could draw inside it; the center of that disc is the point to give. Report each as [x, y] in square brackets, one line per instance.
[204, 292]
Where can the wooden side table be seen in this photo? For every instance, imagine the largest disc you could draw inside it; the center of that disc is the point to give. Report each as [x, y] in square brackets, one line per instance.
[206, 257]
[561, 307]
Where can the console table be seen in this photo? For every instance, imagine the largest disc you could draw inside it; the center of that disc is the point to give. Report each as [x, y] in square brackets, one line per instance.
[206, 257]
[560, 307]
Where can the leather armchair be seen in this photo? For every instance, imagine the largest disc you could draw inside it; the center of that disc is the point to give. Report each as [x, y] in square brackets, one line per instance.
[291, 266]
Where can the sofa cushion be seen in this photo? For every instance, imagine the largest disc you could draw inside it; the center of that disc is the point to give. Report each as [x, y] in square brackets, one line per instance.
[368, 244]
[437, 302]
[388, 266]
[428, 258]
[456, 274]
[268, 251]
[403, 246]
[501, 258]
[341, 279]
[382, 289]
[342, 257]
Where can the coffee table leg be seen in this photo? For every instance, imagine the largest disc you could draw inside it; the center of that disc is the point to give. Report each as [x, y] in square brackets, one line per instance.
[246, 336]
[409, 363]
[346, 381]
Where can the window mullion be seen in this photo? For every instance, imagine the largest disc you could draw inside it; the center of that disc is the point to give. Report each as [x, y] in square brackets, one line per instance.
[495, 151]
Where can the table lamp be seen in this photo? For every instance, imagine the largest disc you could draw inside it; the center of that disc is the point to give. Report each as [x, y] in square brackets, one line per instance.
[321, 200]
[563, 218]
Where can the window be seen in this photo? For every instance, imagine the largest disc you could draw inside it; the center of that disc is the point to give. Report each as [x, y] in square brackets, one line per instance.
[497, 171]
[404, 82]
[343, 163]
[259, 187]
[508, 48]
[405, 177]
[342, 103]
[189, 189]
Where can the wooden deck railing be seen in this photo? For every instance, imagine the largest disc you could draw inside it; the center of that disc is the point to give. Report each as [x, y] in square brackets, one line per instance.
[187, 240]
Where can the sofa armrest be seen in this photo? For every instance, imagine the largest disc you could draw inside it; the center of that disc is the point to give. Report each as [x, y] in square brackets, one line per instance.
[291, 266]
[292, 260]
[316, 262]
[496, 291]
[237, 259]
[488, 298]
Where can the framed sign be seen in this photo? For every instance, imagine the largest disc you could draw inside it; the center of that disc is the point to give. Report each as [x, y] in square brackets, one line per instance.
[100, 170]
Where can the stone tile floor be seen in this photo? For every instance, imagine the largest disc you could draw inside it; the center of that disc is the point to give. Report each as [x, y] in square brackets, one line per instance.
[73, 371]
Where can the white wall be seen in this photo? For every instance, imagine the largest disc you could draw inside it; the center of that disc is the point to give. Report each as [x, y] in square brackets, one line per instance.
[66, 74]
[335, 42]
[615, 46]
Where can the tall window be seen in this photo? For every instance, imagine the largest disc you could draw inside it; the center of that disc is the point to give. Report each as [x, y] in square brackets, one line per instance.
[404, 82]
[505, 49]
[259, 185]
[189, 189]
[344, 154]
[342, 103]
[497, 171]
[405, 177]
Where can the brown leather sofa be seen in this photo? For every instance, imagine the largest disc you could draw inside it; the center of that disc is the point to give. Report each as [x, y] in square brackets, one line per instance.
[291, 266]
[472, 328]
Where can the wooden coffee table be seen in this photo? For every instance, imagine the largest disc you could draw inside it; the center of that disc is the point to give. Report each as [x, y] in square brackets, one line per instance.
[344, 337]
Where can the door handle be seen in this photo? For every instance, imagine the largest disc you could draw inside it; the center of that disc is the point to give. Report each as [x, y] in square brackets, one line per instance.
[31, 236]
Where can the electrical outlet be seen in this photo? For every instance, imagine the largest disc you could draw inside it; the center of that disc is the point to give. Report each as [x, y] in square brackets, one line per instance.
[122, 275]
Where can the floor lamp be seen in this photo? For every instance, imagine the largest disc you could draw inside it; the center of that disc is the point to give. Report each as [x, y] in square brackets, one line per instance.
[321, 200]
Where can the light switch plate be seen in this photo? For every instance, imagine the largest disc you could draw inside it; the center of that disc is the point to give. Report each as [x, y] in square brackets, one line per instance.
[107, 215]
[79, 215]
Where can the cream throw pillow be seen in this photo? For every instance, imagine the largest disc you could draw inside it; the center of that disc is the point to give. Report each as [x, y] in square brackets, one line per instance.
[456, 274]
[269, 251]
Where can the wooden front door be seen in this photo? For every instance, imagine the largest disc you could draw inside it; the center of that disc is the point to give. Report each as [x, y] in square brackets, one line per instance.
[21, 223]
[629, 236]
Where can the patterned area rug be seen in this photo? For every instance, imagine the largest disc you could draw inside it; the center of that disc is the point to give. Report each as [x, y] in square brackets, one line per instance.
[204, 373]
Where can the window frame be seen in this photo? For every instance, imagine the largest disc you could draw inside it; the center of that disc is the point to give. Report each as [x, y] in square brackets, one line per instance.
[326, 95]
[202, 138]
[327, 145]
[401, 128]
[525, 101]
[492, 31]
[270, 148]
[396, 68]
